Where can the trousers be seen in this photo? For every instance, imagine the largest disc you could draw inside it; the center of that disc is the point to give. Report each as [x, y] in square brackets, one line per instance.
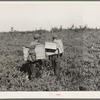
[34, 68]
[55, 60]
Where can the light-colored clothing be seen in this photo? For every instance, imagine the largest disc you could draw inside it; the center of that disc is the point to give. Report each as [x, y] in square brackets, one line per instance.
[59, 45]
[32, 55]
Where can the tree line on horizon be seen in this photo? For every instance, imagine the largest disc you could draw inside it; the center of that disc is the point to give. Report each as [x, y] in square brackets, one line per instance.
[53, 29]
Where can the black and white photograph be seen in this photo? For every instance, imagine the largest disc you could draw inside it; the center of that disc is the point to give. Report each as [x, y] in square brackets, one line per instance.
[49, 46]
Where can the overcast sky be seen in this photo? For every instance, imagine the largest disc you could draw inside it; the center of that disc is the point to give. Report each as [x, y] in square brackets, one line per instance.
[24, 16]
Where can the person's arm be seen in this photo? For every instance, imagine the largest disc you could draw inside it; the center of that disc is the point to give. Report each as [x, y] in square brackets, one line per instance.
[27, 46]
[31, 46]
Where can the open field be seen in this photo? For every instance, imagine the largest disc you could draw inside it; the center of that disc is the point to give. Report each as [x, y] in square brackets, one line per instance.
[80, 66]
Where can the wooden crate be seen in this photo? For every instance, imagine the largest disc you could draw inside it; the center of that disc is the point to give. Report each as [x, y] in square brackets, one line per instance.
[40, 51]
[51, 53]
[50, 48]
[25, 53]
[50, 45]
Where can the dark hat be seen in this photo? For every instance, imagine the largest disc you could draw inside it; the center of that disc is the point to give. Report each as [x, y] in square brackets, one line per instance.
[37, 36]
[54, 36]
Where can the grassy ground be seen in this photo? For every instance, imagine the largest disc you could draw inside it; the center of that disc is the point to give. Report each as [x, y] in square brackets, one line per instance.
[79, 65]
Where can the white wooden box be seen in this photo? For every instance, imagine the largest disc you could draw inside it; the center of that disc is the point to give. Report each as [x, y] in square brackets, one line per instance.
[40, 51]
[50, 45]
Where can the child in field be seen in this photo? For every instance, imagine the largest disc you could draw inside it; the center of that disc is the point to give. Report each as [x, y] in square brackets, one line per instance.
[55, 59]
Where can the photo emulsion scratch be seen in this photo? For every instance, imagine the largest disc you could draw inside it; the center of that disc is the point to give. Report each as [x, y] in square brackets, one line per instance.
[49, 46]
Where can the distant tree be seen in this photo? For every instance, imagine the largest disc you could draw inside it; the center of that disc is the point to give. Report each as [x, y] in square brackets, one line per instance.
[85, 27]
[80, 27]
[12, 29]
[40, 31]
[96, 28]
[60, 29]
[54, 29]
[72, 27]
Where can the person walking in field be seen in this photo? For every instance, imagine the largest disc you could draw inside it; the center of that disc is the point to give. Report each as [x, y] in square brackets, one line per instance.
[55, 59]
[35, 65]
[32, 46]
[32, 65]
